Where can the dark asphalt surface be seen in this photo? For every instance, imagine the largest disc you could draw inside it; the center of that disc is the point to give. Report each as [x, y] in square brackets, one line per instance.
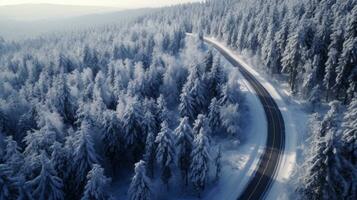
[264, 174]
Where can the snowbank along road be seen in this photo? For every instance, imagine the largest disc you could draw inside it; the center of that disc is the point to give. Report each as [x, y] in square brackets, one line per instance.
[264, 174]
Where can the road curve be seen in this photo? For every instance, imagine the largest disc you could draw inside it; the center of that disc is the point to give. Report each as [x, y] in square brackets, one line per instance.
[264, 174]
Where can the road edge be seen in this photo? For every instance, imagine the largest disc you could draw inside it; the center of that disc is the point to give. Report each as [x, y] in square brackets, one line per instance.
[288, 160]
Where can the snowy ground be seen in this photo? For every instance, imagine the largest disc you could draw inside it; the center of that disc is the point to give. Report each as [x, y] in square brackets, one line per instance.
[295, 122]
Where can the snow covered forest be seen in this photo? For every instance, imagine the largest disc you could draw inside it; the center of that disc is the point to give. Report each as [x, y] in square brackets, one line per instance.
[313, 45]
[80, 110]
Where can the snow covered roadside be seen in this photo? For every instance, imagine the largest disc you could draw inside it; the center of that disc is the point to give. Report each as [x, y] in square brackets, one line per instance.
[295, 121]
[239, 162]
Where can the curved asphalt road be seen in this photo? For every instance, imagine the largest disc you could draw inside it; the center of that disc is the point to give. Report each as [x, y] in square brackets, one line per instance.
[264, 174]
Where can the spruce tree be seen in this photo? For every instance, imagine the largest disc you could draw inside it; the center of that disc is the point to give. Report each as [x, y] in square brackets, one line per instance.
[84, 155]
[186, 106]
[111, 136]
[229, 93]
[216, 77]
[184, 144]
[162, 111]
[199, 94]
[347, 61]
[200, 122]
[132, 125]
[315, 97]
[199, 169]
[140, 185]
[214, 115]
[61, 99]
[9, 184]
[323, 179]
[47, 185]
[230, 119]
[13, 157]
[334, 52]
[149, 123]
[165, 152]
[60, 159]
[150, 153]
[349, 135]
[291, 59]
[97, 184]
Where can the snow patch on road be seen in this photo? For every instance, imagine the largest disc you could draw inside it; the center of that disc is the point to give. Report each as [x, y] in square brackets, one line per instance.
[295, 121]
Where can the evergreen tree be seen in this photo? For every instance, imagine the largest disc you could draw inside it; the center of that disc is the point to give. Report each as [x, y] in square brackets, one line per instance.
[186, 103]
[46, 186]
[199, 94]
[13, 157]
[199, 169]
[229, 93]
[208, 61]
[230, 119]
[315, 97]
[200, 122]
[349, 150]
[149, 123]
[4, 122]
[84, 155]
[184, 145]
[97, 110]
[97, 184]
[291, 59]
[271, 59]
[165, 153]
[348, 59]
[60, 160]
[132, 124]
[349, 135]
[45, 137]
[111, 135]
[162, 111]
[241, 42]
[281, 38]
[24, 190]
[321, 42]
[194, 93]
[150, 153]
[60, 98]
[140, 186]
[8, 183]
[83, 113]
[334, 52]
[31, 153]
[216, 77]
[323, 173]
[27, 122]
[331, 119]
[214, 115]
[323, 179]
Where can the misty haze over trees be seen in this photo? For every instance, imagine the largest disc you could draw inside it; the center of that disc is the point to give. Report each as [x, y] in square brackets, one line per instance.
[80, 109]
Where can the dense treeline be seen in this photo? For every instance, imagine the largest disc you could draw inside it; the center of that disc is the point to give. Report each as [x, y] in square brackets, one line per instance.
[78, 108]
[313, 42]
[314, 45]
[329, 170]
